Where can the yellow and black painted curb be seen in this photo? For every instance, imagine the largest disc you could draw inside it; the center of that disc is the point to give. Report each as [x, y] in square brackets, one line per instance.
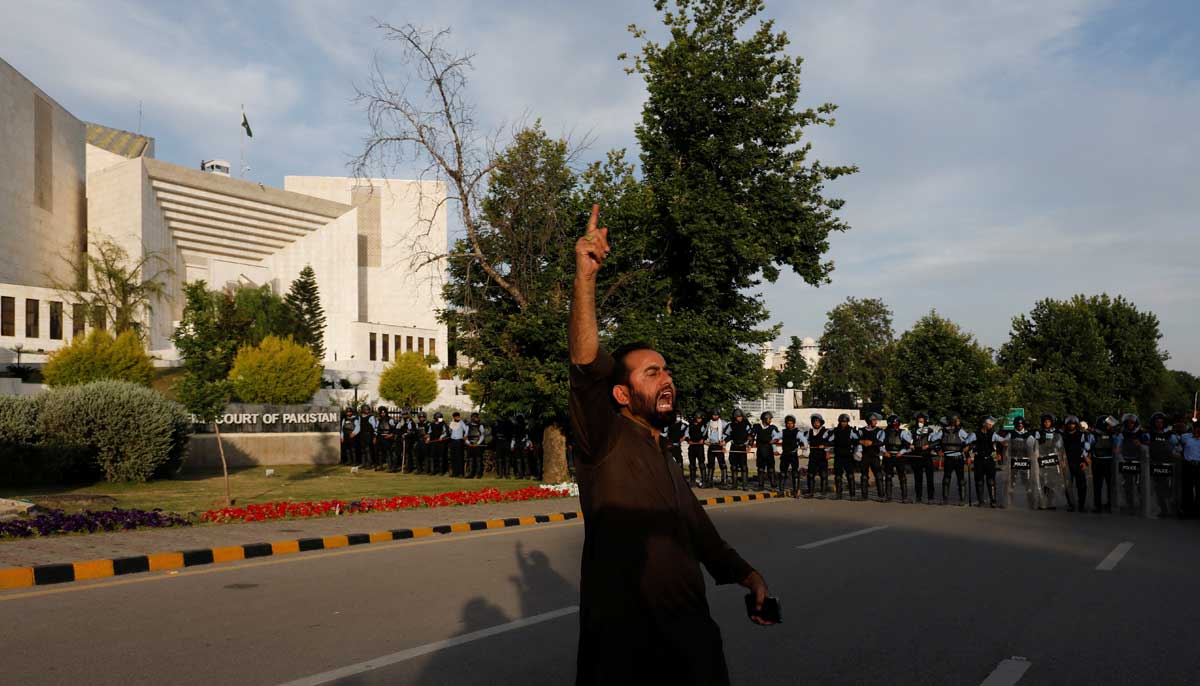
[44, 575]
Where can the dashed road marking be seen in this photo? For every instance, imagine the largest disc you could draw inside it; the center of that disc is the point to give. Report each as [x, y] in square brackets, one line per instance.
[835, 539]
[1008, 672]
[403, 655]
[1115, 557]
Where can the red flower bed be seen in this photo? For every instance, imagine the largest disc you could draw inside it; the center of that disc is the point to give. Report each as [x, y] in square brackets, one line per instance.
[287, 509]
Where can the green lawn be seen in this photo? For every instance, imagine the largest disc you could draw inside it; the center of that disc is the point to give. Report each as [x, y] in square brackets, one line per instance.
[197, 490]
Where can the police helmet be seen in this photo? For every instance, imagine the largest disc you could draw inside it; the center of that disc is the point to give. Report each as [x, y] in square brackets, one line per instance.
[874, 416]
[989, 420]
[955, 418]
[365, 408]
[437, 415]
[893, 419]
[944, 421]
[383, 411]
[1047, 416]
[1107, 421]
[765, 416]
[790, 418]
[349, 410]
[814, 418]
[1071, 419]
[698, 417]
[1130, 417]
[714, 413]
[474, 417]
[1019, 423]
[843, 417]
[421, 415]
[737, 412]
[1157, 416]
[923, 415]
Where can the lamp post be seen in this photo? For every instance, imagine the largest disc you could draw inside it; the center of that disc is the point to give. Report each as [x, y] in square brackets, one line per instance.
[355, 379]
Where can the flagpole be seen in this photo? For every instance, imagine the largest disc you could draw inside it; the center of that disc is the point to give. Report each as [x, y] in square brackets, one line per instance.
[242, 148]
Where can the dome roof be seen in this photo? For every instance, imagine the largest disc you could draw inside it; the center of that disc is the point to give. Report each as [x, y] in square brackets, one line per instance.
[808, 341]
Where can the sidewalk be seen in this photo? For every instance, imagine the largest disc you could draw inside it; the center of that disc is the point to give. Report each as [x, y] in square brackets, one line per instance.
[118, 544]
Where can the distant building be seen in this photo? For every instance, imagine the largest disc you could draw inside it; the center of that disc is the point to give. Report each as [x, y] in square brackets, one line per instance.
[66, 185]
[776, 358]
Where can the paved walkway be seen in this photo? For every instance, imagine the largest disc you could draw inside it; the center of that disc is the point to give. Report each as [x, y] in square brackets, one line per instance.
[74, 548]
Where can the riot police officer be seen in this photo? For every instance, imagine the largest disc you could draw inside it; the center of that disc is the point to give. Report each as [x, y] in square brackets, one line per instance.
[366, 437]
[1162, 446]
[819, 439]
[1022, 450]
[951, 441]
[695, 441]
[1077, 447]
[1105, 440]
[675, 432]
[1133, 449]
[385, 440]
[737, 433]
[765, 437]
[984, 447]
[791, 441]
[1048, 472]
[349, 437]
[476, 438]
[896, 443]
[921, 456]
[502, 431]
[716, 448]
[870, 440]
[438, 440]
[520, 445]
[845, 442]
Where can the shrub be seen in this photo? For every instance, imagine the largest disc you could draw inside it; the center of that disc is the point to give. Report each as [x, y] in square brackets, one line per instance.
[133, 432]
[277, 371]
[99, 356]
[18, 418]
[408, 382]
[25, 463]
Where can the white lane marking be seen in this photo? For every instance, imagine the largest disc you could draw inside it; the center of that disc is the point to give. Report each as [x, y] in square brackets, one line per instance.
[835, 539]
[1008, 672]
[1115, 557]
[394, 658]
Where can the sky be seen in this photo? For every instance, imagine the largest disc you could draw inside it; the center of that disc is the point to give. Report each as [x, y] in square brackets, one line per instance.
[1009, 151]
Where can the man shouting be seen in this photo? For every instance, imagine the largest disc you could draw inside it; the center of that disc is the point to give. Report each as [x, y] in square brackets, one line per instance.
[644, 617]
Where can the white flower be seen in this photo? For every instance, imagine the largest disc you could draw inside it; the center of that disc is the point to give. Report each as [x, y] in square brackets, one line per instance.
[570, 487]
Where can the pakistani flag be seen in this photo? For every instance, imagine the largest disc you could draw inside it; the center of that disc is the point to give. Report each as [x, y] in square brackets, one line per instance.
[246, 125]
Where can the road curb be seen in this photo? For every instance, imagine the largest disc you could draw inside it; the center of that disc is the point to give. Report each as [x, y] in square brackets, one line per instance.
[45, 575]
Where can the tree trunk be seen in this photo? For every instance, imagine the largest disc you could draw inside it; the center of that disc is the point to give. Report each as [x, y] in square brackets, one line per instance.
[224, 466]
[554, 455]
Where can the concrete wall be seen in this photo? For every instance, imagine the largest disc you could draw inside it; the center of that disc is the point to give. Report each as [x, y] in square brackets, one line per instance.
[42, 207]
[42, 342]
[245, 450]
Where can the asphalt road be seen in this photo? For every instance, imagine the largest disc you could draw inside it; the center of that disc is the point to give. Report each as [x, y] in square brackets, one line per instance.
[872, 593]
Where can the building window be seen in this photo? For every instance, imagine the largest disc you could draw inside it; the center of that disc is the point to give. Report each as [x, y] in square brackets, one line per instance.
[99, 316]
[56, 315]
[78, 319]
[421, 345]
[408, 346]
[386, 348]
[433, 346]
[372, 338]
[396, 338]
[8, 323]
[31, 318]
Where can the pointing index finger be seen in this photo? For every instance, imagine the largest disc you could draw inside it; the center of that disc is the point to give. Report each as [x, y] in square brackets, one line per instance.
[595, 218]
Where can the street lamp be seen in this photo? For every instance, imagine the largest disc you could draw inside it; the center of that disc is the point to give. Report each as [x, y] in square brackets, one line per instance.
[355, 379]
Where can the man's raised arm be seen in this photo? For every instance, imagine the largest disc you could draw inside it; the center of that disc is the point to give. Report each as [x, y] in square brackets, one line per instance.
[590, 251]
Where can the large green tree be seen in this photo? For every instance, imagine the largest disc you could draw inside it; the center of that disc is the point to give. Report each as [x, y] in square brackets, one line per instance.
[1085, 356]
[942, 369]
[856, 350]
[304, 300]
[735, 197]
[795, 367]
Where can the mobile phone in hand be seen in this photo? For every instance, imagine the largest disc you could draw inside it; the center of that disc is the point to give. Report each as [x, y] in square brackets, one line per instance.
[770, 610]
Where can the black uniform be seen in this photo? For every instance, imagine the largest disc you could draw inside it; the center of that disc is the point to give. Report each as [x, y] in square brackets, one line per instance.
[1073, 444]
[475, 439]
[349, 439]
[385, 441]
[675, 433]
[695, 438]
[819, 441]
[520, 446]
[951, 445]
[502, 446]
[921, 460]
[366, 441]
[845, 439]
[893, 443]
[406, 429]
[983, 451]
[1103, 478]
[871, 440]
[437, 440]
[764, 454]
[789, 458]
[739, 439]
[1162, 466]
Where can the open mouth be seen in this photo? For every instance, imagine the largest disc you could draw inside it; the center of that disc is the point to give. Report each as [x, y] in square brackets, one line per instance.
[666, 401]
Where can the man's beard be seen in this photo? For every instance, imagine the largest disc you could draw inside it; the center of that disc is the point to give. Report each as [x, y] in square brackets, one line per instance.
[647, 408]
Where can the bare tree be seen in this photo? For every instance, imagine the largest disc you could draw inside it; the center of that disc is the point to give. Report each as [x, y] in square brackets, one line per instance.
[115, 288]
